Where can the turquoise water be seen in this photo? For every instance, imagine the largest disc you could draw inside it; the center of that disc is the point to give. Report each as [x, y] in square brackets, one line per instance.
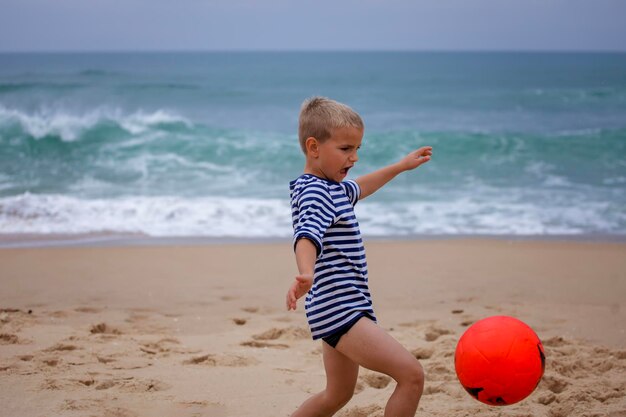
[204, 144]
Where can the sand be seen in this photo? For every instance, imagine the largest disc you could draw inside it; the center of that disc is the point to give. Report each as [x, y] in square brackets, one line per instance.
[202, 330]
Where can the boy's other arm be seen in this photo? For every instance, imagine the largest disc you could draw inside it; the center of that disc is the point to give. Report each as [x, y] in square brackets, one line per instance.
[306, 254]
[370, 183]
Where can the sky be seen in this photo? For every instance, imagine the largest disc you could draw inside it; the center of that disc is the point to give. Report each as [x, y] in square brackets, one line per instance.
[173, 25]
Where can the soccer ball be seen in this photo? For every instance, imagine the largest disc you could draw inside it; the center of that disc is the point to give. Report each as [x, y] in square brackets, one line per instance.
[499, 360]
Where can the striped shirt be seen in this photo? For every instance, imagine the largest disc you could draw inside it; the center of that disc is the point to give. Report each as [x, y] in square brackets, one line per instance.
[323, 212]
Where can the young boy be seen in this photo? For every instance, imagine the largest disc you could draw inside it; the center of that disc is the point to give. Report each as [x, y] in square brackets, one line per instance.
[332, 266]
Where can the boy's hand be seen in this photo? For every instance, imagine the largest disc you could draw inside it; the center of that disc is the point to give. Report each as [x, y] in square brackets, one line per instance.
[300, 286]
[416, 158]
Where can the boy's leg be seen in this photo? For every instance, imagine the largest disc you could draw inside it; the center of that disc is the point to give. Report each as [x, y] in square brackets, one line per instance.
[371, 347]
[341, 376]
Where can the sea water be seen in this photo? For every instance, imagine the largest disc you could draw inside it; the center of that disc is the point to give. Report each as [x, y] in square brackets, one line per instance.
[204, 144]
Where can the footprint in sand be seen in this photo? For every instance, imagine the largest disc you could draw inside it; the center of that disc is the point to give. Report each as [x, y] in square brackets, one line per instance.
[202, 408]
[81, 405]
[95, 381]
[416, 324]
[497, 309]
[60, 314]
[422, 353]
[258, 344]
[439, 370]
[36, 365]
[556, 341]
[431, 389]
[136, 317]
[103, 328]
[164, 347]
[144, 323]
[55, 384]
[7, 367]
[136, 385]
[546, 398]
[12, 321]
[259, 310]
[375, 380]
[118, 412]
[287, 333]
[434, 332]
[221, 360]
[50, 361]
[61, 347]
[9, 339]
[367, 411]
[106, 359]
[91, 310]
[119, 357]
[554, 384]
[90, 405]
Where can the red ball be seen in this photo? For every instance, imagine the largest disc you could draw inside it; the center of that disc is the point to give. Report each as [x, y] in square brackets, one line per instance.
[499, 360]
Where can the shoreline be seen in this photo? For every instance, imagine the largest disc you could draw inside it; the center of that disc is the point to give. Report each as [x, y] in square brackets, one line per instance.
[42, 240]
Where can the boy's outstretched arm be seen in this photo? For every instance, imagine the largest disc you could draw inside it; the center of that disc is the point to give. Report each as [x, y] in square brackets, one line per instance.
[370, 183]
[306, 254]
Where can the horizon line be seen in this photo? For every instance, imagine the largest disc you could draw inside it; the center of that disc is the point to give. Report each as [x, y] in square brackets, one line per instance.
[355, 50]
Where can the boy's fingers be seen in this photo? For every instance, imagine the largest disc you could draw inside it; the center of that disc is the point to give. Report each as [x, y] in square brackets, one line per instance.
[302, 282]
[426, 150]
[291, 297]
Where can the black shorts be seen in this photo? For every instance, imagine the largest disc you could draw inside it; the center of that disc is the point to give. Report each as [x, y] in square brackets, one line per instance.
[333, 338]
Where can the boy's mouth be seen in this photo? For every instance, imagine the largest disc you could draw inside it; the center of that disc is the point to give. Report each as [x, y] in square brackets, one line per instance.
[345, 170]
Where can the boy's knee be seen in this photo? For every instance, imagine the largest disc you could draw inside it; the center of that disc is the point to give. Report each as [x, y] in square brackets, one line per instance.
[336, 400]
[419, 376]
[414, 377]
[344, 398]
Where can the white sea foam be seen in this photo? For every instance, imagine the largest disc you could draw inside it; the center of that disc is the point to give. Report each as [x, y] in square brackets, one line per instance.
[154, 216]
[140, 121]
[251, 217]
[556, 181]
[614, 181]
[474, 217]
[538, 169]
[69, 126]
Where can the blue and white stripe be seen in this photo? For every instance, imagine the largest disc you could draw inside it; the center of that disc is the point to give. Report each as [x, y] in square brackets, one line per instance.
[323, 211]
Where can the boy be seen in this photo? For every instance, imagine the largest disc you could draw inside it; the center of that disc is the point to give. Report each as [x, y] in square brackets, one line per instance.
[332, 266]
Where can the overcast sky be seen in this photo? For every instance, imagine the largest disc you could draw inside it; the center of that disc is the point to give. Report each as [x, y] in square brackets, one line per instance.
[90, 25]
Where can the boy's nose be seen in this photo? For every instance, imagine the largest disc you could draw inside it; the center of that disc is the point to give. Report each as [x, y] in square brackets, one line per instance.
[354, 157]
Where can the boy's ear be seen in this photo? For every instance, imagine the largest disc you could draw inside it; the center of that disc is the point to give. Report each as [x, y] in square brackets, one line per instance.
[312, 146]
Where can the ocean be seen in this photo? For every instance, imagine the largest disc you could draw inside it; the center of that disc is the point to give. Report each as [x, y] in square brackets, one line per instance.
[204, 144]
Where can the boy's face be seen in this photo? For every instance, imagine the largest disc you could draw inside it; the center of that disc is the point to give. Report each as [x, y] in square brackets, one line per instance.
[336, 155]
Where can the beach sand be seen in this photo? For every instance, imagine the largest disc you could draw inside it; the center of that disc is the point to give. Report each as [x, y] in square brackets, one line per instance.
[201, 330]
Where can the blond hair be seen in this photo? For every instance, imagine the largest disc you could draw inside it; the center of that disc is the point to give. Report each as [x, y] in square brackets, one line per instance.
[319, 115]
